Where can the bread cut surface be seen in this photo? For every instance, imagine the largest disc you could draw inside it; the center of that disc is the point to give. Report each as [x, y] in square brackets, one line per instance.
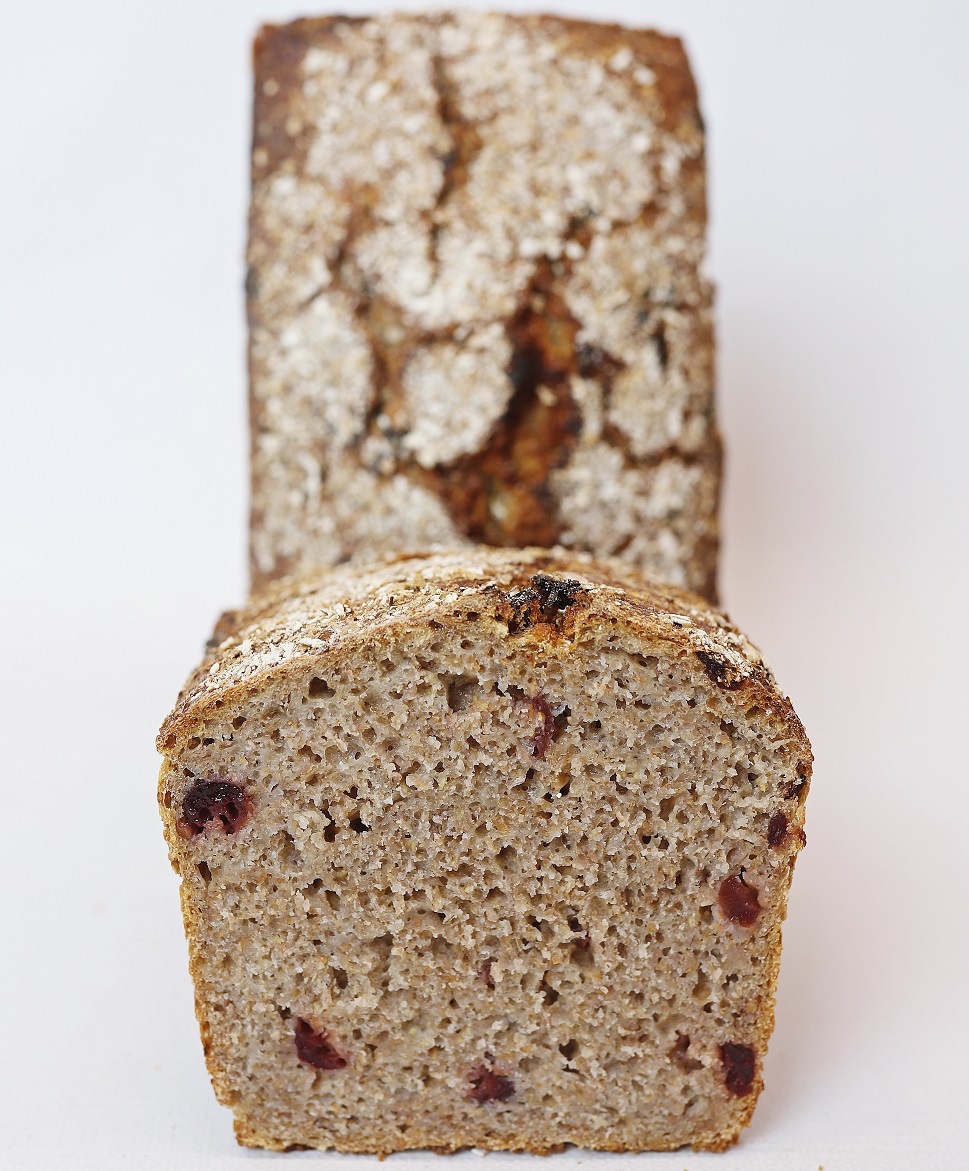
[484, 849]
[475, 297]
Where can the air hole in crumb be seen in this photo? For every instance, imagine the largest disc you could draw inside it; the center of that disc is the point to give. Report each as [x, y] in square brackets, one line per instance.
[358, 826]
[549, 994]
[678, 1053]
[340, 978]
[320, 689]
[203, 869]
[461, 692]
[581, 954]
[569, 1049]
[333, 899]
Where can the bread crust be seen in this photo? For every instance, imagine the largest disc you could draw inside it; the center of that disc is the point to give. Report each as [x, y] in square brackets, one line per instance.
[329, 619]
[475, 299]
[299, 617]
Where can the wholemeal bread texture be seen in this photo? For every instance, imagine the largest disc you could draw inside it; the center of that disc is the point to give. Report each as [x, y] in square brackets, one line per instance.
[475, 298]
[484, 848]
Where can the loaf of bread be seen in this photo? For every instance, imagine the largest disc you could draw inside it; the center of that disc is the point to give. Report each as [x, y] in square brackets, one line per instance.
[484, 848]
[475, 296]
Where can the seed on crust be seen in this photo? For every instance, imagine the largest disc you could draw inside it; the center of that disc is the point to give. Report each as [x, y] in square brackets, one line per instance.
[738, 901]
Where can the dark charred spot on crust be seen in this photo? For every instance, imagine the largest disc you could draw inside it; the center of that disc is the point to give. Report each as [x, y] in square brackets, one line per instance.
[679, 1054]
[555, 595]
[314, 1047]
[545, 600]
[487, 1085]
[738, 901]
[777, 830]
[739, 1064]
[720, 671]
[216, 806]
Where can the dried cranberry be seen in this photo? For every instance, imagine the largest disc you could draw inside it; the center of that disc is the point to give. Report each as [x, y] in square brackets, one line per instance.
[739, 1066]
[738, 901]
[777, 830]
[488, 1086]
[315, 1048]
[545, 732]
[214, 807]
[484, 973]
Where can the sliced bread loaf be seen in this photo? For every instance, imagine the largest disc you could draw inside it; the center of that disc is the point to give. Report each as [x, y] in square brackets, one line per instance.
[476, 305]
[484, 849]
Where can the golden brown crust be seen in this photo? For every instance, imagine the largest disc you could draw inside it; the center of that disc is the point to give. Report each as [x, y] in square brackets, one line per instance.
[511, 345]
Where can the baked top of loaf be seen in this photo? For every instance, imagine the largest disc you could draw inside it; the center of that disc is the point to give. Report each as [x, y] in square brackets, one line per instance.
[484, 848]
[475, 298]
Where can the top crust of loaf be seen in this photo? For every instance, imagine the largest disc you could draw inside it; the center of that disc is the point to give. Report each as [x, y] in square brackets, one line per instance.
[476, 302]
[337, 611]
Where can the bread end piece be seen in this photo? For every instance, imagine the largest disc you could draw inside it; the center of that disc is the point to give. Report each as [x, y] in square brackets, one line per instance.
[476, 301]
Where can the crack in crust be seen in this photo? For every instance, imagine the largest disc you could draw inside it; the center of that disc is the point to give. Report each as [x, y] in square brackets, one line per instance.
[518, 477]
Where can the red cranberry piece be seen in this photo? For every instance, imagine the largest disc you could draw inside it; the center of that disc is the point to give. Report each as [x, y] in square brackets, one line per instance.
[488, 1086]
[314, 1047]
[739, 1066]
[484, 973]
[738, 901]
[777, 830]
[214, 807]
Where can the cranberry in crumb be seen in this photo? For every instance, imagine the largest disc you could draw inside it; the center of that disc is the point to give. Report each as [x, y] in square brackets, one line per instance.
[316, 1049]
[214, 807]
[488, 1086]
[738, 901]
[777, 830]
[739, 1066]
[545, 732]
[484, 973]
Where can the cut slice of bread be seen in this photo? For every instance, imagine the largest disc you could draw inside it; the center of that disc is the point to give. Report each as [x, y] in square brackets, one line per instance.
[487, 849]
[477, 311]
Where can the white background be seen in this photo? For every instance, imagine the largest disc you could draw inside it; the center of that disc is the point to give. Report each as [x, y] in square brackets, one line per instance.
[839, 161]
